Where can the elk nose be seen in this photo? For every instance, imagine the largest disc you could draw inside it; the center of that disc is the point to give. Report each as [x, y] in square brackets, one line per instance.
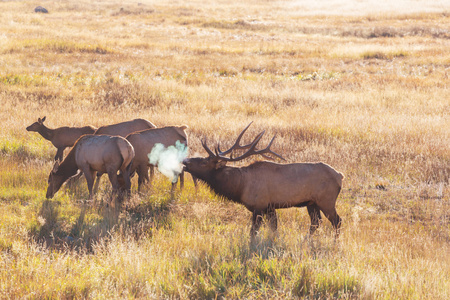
[186, 161]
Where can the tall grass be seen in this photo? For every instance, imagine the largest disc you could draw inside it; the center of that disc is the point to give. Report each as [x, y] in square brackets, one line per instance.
[363, 92]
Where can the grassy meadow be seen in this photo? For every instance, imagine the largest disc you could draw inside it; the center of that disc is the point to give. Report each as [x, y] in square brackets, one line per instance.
[364, 90]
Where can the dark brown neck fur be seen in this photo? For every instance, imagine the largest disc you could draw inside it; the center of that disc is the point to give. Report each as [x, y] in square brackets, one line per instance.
[68, 166]
[46, 132]
[226, 182]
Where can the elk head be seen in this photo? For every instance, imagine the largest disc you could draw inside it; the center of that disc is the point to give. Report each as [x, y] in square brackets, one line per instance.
[55, 181]
[202, 167]
[36, 125]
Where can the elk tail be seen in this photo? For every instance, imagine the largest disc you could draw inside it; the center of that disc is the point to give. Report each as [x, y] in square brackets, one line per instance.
[127, 153]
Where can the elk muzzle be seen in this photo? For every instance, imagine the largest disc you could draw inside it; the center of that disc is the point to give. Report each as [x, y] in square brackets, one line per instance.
[50, 192]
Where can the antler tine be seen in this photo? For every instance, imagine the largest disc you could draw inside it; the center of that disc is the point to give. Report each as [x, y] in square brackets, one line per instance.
[236, 144]
[207, 148]
[268, 150]
[250, 151]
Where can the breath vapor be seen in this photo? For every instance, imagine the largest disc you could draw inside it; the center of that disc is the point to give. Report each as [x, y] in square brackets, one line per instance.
[169, 160]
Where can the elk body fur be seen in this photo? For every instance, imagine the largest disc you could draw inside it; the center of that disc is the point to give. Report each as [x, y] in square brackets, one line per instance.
[125, 128]
[263, 187]
[94, 154]
[143, 143]
[61, 137]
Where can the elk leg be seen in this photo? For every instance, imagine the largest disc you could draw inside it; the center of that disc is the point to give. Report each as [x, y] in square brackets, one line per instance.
[174, 186]
[256, 224]
[181, 180]
[59, 154]
[127, 181]
[272, 217]
[152, 174]
[97, 183]
[90, 175]
[142, 172]
[314, 214]
[114, 181]
[334, 218]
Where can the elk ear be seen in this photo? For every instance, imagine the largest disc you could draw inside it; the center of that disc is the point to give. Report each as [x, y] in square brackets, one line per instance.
[221, 164]
[43, 119]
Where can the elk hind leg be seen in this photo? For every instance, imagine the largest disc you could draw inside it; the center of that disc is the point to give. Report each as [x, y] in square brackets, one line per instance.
[334, 218]
[112, 175]
[90, 177]
[256, 224]
[272, 218]
[314, 214]
[124, 180]
[97, 183]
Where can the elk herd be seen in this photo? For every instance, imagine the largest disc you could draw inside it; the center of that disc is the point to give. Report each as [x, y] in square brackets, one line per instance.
[121, 150]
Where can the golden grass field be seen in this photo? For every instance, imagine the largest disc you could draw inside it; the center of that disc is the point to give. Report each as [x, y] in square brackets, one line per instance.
[360, 86]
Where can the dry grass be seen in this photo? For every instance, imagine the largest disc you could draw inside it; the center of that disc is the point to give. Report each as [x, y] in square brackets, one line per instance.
[365, 91]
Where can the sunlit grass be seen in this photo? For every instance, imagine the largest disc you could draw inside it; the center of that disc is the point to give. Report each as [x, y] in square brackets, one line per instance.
[365, 92]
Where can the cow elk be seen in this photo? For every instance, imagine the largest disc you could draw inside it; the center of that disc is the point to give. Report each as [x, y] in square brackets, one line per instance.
[94, 154]
[125, 128]
[262, 187]
[143, 143]
[61, 137]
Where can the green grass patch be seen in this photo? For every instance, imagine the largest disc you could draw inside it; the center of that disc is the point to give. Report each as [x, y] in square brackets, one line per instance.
[25, 148]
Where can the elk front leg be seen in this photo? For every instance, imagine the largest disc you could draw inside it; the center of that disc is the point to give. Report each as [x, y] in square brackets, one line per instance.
[142, 172]
[152, 174]
[173, 188]
[59, 154]
[181, 177]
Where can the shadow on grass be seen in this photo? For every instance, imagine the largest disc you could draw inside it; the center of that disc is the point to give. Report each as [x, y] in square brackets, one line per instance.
[79, 226]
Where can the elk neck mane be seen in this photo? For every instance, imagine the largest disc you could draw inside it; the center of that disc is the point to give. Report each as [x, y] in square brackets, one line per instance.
[226, 182]
[68, 167]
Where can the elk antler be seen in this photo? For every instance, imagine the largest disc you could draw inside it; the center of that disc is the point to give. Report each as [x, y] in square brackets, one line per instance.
[236, 145]
[251, 148]
[206, 148]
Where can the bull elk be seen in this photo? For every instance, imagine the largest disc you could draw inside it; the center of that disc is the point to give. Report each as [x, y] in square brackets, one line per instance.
[61, 137]
[94, 154]
[143, 143]
[262, 187]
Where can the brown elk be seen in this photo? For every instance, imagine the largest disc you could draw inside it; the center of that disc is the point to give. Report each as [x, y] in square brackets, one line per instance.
[125, 128]
[143, 143]
[94, 154]
[263, 187]
[61, 137]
